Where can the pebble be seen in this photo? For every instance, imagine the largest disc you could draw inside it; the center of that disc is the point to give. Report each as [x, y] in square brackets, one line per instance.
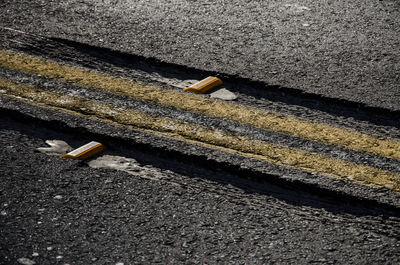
[35, 254]
[58, 197]
[4, 213]
[49, 248]
[26, 261]
[59, 257]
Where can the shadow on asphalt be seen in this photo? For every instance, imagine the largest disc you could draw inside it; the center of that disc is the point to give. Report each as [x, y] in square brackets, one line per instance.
[68, 50]
[244, 180]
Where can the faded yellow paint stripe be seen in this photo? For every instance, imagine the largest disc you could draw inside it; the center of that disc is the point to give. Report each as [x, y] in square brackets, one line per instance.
[196, 134]
[324, 133]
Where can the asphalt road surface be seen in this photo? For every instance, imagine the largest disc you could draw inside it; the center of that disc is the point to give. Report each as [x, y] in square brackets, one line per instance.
[343, 49]
[59, 211]
[302, 167]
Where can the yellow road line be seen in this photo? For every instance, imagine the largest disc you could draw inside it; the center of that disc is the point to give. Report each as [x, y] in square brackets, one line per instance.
[324, 133]
[196, 134]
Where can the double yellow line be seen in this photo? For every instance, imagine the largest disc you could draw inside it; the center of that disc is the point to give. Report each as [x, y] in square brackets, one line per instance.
[307, 161]
[246, 115]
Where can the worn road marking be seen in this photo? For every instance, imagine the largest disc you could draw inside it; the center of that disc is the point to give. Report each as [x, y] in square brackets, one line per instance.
[324, 133]
[200, 135]
[255, 117]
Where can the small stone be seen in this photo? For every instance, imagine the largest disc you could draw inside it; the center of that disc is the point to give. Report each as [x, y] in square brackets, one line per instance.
[58, 197]
[59, 257]
[35, 254]
[3, 213]
[223, 94]
[119, 263]
[26, 261]
[306, 25]
[49, 248]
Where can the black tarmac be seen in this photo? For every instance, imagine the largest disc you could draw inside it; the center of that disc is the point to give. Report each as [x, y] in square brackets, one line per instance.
[64, 212]
[347, 50]
[335, 63]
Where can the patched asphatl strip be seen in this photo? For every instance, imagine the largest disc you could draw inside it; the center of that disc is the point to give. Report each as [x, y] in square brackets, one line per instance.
[196, 134]
[203, 120]
[324, 133]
